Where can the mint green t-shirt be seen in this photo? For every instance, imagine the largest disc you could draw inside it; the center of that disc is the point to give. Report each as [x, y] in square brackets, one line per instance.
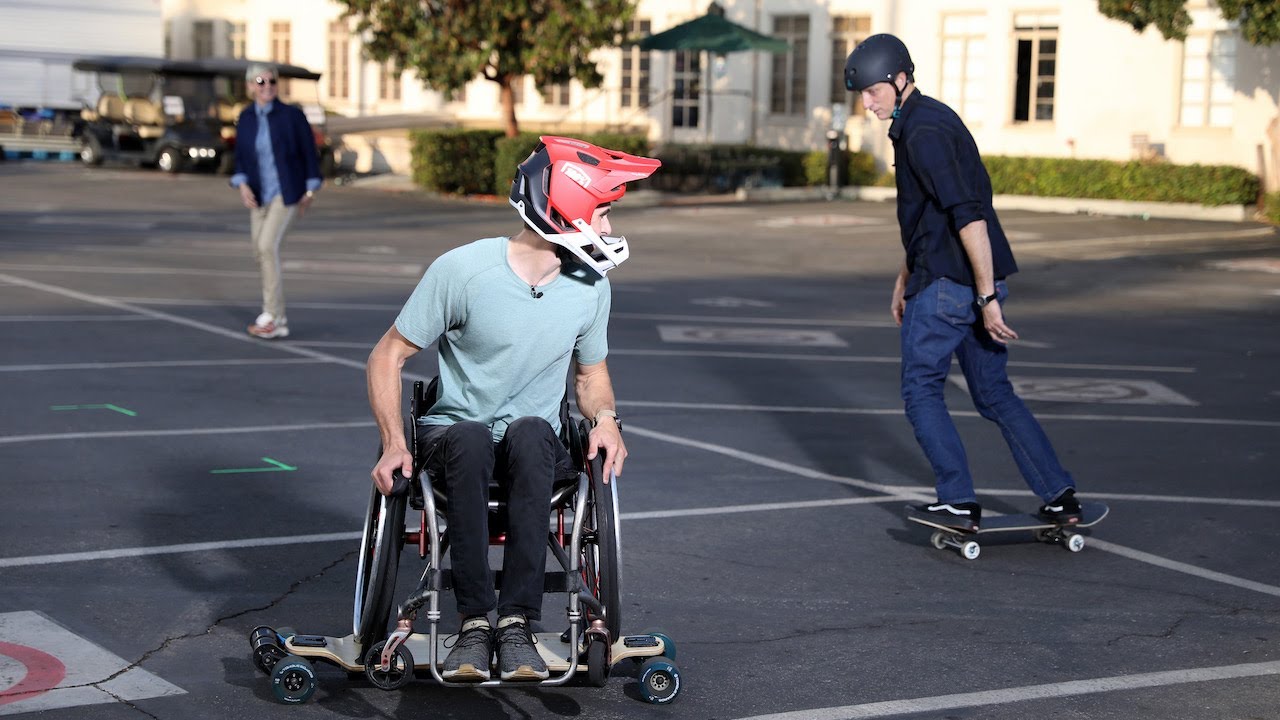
[503, 353]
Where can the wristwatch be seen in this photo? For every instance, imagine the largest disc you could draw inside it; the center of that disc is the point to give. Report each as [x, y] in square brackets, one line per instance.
[984, 300]
[608, 413]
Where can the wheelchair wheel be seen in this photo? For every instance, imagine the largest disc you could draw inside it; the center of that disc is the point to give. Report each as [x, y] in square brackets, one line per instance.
[380, 548]
[602, 548]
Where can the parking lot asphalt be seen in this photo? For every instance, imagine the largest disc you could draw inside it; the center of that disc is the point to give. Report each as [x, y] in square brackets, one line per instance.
[169, 483]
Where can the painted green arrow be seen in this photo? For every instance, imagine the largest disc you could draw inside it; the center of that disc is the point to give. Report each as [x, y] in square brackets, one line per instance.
[276, 466]
[101, 406]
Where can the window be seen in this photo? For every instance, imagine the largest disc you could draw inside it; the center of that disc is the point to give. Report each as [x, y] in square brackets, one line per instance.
[389, 82]
[281, 50]
[687, 88]
[635, 69]
[236, 40]
[202, 39]
[964, 64]
[789, 76]
[556, 94]
[1208, 80]
[339, 60]
[846, 33]
[1037, 38]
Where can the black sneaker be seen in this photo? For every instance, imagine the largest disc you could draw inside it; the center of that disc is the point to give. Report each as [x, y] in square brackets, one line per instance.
[471, 656]
[518, 657]
[1065, 509]
[961, 516]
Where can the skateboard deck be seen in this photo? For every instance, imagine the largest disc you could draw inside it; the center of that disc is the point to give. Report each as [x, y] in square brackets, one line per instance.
[1091, 513]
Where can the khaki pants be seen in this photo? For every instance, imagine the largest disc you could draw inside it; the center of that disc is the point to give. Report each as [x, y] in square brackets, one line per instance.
[267, 226]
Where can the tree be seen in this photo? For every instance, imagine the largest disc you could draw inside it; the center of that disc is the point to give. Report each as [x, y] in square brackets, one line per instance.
[447, 43]
[1259, 19]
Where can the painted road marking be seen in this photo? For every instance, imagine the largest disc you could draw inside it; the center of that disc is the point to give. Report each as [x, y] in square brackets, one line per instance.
[74, 318]
[99, 406]
[49, 668]
[751, 320]
[731, 302]
[748, 336]
[820, 220]
[884, 359]
[1092, 390]
[273, 466]
[334, 266]
[159, 364]
[734, 407]
[940, 703]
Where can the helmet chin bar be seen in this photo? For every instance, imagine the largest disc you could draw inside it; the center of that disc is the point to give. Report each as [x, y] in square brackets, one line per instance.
[605, 253]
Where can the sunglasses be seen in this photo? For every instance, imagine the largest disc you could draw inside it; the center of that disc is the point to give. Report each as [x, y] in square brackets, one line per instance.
[262, 81]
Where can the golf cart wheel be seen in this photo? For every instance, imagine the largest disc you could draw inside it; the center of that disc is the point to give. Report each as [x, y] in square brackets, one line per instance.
[659, 680]
[597, 663]
[91, 151]
[1075, 543]
[293, 680]
[397, 674]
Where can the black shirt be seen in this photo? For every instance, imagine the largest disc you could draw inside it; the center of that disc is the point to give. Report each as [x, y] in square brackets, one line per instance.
[942, 187]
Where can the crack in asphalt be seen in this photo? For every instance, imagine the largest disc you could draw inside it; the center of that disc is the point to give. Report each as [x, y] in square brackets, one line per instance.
[137, 664]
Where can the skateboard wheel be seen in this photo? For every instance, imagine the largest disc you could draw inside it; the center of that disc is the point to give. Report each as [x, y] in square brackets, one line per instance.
[293, 680]
[970, 550]
[397, 675]
[668, 645]
[1075, 543]
[939, 539]
[659, 680]
[266, 649]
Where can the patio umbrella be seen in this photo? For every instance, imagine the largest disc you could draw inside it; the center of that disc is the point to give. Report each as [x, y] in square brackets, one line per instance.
[715, 35]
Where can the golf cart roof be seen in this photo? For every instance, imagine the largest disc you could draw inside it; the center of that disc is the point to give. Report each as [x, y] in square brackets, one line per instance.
[207, 67]
[134, 63]
[239, 66]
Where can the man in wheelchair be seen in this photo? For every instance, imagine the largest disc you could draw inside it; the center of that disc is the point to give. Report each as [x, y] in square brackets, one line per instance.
[509, 316]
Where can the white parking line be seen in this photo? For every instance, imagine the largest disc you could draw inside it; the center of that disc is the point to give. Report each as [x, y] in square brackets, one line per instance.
[819, 410]
[73, 318]
[875, 359]
[173, 432]
[754, 320]
[159, 364]
[942, 703]
[170, 271]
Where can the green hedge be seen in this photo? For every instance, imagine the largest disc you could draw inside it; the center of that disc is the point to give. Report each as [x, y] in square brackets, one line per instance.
[857, 168]
[1271, 207]
[454, 161]
[725, 168]
[1134, 180]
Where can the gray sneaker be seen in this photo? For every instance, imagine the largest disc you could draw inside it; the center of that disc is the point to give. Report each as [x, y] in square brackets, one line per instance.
[518, 657]
[471, 656]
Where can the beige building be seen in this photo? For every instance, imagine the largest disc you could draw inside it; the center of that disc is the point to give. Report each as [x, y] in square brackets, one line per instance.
[1045, 78]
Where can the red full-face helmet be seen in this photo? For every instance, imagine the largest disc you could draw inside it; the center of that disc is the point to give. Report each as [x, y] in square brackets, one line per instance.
[558, 188]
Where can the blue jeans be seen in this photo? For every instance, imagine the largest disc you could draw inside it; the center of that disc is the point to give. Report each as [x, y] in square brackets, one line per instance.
[940, 321]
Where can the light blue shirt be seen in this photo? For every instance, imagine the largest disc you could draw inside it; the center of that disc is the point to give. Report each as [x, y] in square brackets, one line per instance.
[504, 354]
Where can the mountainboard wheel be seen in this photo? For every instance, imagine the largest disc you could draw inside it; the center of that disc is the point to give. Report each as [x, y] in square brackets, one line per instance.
[659, 680]
[668, 645]
[597, 663]
[970, 550]
[939, 539]
[1075, 543]
[293, 680]
[394, 677]
[267, 650]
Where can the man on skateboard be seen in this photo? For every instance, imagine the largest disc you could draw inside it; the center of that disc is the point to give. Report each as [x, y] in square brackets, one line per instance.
[950, 289]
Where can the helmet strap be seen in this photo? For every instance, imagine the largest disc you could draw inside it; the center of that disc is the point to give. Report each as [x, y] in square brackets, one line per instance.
[897, 99]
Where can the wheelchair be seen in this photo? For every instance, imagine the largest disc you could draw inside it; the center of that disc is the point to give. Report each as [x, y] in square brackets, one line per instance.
[583, 537]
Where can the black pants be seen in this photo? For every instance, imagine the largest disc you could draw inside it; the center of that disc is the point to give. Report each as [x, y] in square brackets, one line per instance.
[462, 458]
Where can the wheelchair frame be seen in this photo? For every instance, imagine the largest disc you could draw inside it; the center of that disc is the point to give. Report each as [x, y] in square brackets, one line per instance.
[590, 576]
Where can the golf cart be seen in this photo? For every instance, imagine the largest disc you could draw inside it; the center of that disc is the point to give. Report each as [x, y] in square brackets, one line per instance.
[150, 111]
[298, 85]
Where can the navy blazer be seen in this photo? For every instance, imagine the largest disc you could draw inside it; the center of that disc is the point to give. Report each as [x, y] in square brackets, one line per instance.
[292, 143]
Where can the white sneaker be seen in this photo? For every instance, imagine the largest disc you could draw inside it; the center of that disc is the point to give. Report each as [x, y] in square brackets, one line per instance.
[268, 327]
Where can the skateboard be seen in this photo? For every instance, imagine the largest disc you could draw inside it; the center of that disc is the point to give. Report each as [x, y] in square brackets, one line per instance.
[1091, 513]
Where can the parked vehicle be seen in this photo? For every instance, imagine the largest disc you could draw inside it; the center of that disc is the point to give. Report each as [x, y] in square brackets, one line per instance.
[150, 111]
